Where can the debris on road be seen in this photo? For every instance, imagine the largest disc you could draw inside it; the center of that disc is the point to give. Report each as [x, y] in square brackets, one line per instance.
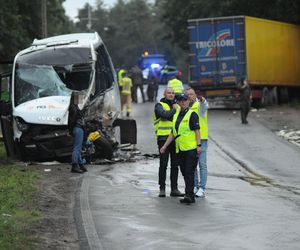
[290, 135]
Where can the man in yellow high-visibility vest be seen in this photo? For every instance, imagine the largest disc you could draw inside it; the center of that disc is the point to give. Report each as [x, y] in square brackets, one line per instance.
[200, 106]
[162, 118]
[175, 84]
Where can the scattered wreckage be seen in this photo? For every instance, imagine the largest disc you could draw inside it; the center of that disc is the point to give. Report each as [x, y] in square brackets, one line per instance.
[34, 118]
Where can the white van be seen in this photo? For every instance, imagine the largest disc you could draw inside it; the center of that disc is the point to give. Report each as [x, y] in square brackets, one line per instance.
[34, 119]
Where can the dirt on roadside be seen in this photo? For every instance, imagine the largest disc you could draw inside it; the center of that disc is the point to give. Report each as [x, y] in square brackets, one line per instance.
[56, 201]
[58, 185]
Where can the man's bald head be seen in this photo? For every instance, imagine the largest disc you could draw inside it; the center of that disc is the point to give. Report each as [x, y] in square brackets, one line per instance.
[169, 93]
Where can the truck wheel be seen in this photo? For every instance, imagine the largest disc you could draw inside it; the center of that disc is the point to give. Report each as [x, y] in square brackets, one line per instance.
[283, 95]
[274, 96]
[265, 97]
[256, 103]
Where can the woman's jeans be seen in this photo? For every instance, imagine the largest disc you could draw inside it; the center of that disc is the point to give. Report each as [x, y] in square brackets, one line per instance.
[202, 166]
[77, 145]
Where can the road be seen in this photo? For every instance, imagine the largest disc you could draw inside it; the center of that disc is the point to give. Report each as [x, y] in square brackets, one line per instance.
[252, 197]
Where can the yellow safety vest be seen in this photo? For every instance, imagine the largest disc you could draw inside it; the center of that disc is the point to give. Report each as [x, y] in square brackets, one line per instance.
[126, 85]
[185, 138]
[162, 127]
[202, 120]
[120, 73]
[176, 85]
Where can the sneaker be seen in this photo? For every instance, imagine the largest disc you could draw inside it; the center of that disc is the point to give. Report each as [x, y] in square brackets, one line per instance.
[162, 193]
[176, 193]
[195, 190]
[200, 193]
[187, 200]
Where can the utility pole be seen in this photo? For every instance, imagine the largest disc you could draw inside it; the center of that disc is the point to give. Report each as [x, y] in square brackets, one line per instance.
[89, 24]
[89, 18]
[44, 18]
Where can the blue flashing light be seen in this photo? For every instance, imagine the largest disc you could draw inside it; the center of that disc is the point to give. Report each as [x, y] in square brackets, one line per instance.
[155, 65]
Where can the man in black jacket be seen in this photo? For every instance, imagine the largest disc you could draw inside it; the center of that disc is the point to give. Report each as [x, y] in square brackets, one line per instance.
[163, 116]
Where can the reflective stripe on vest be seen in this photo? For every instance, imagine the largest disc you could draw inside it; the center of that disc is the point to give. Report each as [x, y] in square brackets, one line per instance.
[176, 85]
[126, 85]
[202, 120]
[185, 138]
[162, 127]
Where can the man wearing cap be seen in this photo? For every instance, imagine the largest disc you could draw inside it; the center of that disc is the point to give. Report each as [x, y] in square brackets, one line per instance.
[162, 118]
[186, 133]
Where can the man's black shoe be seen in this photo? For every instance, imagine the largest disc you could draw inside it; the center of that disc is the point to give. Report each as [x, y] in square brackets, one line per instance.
[187, 200]
[176, 193]
[162, 193]
[76, 169]
[82, 167]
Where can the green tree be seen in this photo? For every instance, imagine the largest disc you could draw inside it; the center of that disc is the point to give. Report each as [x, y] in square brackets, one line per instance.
[20, 23]
[176, 12]
[128, 29]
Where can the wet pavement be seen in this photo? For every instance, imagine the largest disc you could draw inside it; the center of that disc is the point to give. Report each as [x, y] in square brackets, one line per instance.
[252, 197]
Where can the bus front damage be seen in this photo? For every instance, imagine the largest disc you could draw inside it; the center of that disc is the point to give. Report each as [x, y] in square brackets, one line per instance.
[43, 79]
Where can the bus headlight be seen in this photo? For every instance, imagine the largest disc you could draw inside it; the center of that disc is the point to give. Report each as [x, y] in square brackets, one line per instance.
[21, 124]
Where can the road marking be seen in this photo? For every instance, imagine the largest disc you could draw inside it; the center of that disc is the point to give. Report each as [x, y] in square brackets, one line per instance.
[87, 218]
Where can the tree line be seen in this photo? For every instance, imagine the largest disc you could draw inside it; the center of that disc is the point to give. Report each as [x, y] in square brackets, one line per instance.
[130, 27]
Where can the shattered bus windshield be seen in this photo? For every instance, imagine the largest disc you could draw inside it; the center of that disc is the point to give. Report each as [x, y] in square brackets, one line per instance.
[33, 82]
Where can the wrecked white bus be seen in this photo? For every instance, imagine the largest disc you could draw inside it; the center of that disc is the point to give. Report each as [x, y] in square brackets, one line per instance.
[34, 116]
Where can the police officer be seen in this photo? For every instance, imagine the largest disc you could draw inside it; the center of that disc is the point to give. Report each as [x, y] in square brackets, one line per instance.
[162, 118]
[245, 95]
[138, 82]
[186, 132]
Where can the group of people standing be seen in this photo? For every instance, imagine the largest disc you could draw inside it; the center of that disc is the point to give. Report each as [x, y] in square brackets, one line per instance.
[180, 122]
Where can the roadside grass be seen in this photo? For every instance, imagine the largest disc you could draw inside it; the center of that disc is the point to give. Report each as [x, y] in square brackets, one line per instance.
[18, 207]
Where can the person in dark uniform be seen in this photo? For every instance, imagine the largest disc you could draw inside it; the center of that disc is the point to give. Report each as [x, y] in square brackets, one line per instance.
[245, 97]
[186, 132]
[76, 126]
[138, 83]
[162, 118]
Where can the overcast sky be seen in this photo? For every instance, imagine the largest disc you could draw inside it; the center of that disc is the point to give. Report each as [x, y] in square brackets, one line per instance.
[72, 6]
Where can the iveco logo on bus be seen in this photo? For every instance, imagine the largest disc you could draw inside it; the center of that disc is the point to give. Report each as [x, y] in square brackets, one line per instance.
[49, 118]
[215, 43]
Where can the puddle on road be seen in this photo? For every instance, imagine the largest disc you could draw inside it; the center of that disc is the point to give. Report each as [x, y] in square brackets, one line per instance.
[291, 135]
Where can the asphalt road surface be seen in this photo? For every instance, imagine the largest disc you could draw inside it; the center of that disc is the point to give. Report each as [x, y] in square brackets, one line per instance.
[252, 197]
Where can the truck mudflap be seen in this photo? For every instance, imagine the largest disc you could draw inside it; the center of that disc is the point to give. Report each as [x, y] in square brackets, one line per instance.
[128, 130]
[221, 98]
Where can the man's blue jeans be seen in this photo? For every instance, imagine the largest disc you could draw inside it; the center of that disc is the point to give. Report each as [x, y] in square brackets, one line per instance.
[202, 167]
[77, 145]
